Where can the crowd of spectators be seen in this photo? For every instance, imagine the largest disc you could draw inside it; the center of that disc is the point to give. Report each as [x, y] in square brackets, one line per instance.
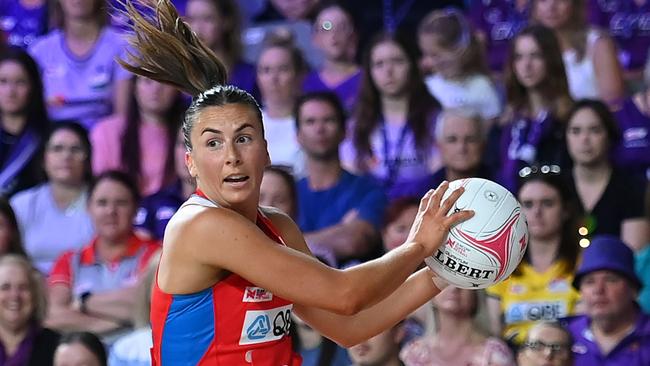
[366, 105]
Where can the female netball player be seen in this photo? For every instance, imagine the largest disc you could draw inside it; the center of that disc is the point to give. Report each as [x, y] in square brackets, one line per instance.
[231, 272]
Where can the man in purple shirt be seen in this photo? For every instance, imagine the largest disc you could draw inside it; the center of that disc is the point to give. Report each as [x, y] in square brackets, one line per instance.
[613, 331]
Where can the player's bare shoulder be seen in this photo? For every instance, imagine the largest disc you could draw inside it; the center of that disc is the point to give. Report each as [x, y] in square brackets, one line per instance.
[285, 225]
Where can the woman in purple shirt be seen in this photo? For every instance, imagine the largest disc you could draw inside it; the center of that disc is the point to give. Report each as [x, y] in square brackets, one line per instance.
[336, 37]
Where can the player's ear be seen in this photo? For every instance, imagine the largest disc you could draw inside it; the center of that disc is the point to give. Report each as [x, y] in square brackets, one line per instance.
[189, 162]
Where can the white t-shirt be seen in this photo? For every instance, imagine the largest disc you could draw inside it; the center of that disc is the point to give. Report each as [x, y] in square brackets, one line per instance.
[48, 230]
[283, 144]
[476, 93]
[581, 74]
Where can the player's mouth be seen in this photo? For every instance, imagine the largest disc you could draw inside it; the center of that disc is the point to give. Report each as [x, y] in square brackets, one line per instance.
[236, 178]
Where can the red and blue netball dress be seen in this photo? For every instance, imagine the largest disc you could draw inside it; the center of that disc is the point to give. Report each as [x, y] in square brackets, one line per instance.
[231, 323]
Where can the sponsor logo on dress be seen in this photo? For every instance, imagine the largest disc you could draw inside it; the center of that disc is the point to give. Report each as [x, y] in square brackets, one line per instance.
[265, 325]
[256, 294]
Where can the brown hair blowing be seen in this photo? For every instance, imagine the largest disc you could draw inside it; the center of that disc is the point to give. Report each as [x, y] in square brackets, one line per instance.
[166, 50]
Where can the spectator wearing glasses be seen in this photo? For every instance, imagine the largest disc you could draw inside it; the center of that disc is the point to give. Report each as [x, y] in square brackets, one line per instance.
[610, 201]
[540, 288]
[548, 344]
[613, 330]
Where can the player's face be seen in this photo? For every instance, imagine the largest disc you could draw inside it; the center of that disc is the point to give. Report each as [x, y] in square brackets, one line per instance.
[154, 98]
[204, 19]
[389, 68]
[14, 87]
[319, 132]
[587, 139]
[528, 62]
[275, 193]
[74, 354]
[16, 300]
[65, 158]
[554, 14]
[461, 145]
[112, 209]
[456, 301]
[606, 295]
[276, 75]
[334, 34]
[378, 350]
[228, 154]
[396, 232]
[548, 347]
[542, 205]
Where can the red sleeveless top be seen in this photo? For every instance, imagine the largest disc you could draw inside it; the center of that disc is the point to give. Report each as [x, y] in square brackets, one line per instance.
[231, 323]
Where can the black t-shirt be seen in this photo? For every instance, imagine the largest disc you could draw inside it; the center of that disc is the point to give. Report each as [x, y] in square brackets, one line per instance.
[623, 199]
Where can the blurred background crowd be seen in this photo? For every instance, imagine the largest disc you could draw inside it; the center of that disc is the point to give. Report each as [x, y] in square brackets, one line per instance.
[366, 104]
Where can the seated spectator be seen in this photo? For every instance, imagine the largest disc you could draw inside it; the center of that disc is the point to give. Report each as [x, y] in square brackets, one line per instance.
[23, 20]
[23, 120]
[496, 23]
[80, 348]
[335, 35]
[398, 219]
[642, 267]
[278, 189]
[548, 344]
[11, 241]
[589, 55]
[337, 210]
[540, 288]
[46, 212]
[134, 348]
[154, 113]
[613, 330]
[610, 201]
[218, 24]
[94, 288]
[391, 135]
[461, 140]
[626, 22]
[632, 153]
[23, 339]
[156, 210]
[81, 77]
[280, 71]
[380, 350]
[459, 76]
[538, 102]
[458, 341]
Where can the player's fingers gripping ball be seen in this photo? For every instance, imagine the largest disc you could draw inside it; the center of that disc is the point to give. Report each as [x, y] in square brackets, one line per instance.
[487, 248]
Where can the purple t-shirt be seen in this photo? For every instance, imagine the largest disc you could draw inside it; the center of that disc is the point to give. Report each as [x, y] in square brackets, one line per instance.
[629, 24]
[633, 152]
[346, 90]
[120, 21]
[396, 159]
[500, 21]
[633, 350]
[22, 25]
[80, 88]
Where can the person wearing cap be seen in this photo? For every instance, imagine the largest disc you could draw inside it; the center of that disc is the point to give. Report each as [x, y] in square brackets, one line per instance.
[613, 330]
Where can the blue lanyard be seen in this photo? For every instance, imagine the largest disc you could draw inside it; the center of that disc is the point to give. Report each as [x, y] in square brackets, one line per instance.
[392, 19]
[393, 163]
